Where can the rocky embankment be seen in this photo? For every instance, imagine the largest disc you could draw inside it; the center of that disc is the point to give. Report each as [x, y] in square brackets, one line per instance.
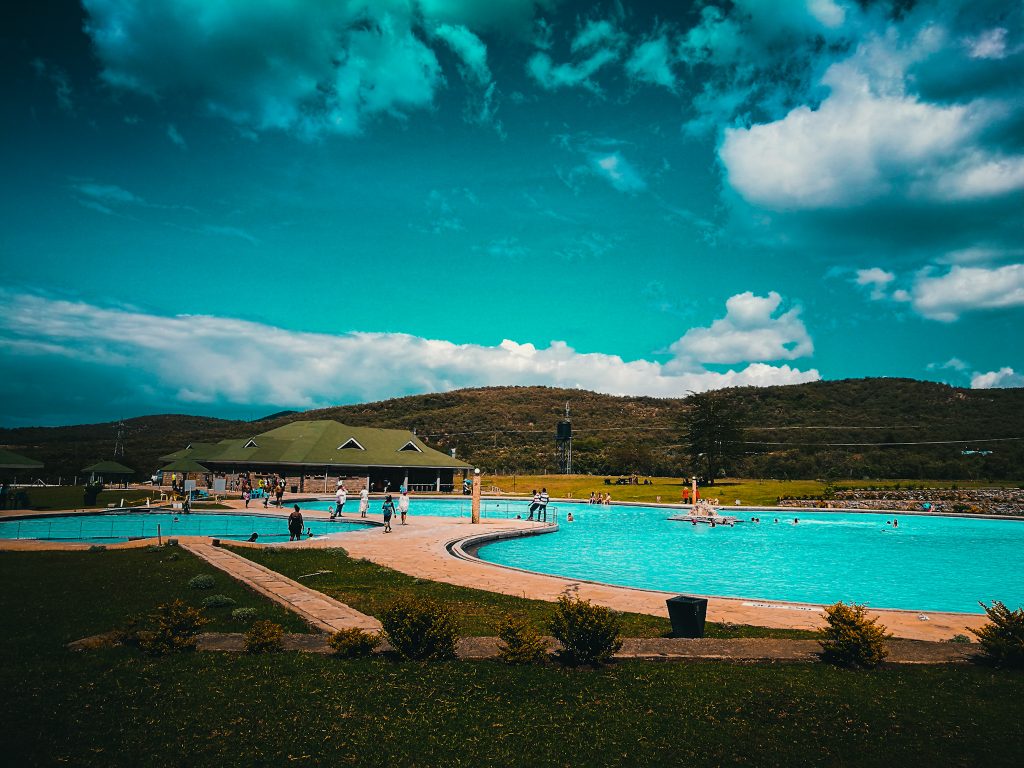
[981, 501]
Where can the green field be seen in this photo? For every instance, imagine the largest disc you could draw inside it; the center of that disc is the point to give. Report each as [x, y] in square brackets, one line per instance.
[116, 707]
[750, 492]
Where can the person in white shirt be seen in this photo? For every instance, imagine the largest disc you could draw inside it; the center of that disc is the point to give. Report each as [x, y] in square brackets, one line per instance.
[544, 499]
[340, 498]
[403, 505]
[364, 502]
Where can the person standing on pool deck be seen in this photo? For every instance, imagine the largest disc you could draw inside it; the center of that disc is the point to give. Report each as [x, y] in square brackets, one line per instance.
[389, 510]
[544, 499]
[403, 505]
[295, 523]
[364, 502]
[535, 504]
[340, 498]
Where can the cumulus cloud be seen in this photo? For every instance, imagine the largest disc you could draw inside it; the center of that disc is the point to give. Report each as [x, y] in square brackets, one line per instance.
[1004, 377]
[873, 138]
[877, 278]
[175, 136]
[945, 297]
[310, 68]
[749, 331]
[196, 359]
[58, 78]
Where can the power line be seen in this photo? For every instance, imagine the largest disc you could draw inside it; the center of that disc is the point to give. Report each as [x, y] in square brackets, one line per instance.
[921, 442]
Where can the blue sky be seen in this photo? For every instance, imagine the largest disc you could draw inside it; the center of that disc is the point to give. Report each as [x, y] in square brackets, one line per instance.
[229, 208]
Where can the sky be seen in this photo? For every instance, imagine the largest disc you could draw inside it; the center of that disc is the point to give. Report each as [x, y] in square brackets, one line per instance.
[235, 207]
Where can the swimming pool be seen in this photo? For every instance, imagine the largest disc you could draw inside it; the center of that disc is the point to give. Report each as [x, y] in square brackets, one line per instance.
[926, 564]
[115, 527]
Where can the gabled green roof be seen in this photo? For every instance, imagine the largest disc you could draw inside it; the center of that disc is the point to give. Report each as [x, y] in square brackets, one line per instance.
[12, 460]
[109, 468]
[320, 443]
[185, 466]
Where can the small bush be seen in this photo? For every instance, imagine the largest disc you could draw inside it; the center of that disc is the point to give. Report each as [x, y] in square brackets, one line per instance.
[97, 548]
[202, 581]
[1002, 639]
[244, 614]
[850, 638]
[521, 642]
[960, 639]
[218, 601]
[175, 626]
[421, 630]
[264, 637]
[353, 642]
[589, 633]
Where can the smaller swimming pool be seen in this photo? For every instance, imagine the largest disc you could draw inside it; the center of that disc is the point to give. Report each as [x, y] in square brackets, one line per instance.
[116, 527]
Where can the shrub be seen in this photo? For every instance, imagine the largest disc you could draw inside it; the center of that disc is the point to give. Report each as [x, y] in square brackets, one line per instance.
[264, 637]
[202, 581]
[589, 633]
[521, 642]
[353, 642]
[97, 548]
[175, 626]
[244, 614]
[1002, 639]
[218, 601]
[420, 630]
[960, 639]
[850, 638]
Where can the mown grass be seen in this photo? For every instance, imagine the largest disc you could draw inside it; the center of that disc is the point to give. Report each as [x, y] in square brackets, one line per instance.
[58, 597]
[117, 707]
[73, 497]
[761, 493]
[370, 588]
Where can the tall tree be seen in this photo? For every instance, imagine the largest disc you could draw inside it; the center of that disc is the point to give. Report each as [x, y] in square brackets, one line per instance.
[713, 432]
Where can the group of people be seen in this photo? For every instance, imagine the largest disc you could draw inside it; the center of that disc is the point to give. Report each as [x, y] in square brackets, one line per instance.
[388, 508]
[539, 505]
[599, 498]
[268, 488]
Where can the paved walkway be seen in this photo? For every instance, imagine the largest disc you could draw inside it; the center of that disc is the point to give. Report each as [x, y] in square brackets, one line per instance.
[318, 609]
[420, 549]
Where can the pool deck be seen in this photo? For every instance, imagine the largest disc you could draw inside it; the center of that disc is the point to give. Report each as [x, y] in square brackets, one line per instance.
[433, 548]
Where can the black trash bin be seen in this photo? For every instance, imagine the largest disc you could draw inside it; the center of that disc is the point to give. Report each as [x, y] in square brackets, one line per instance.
[687, 615]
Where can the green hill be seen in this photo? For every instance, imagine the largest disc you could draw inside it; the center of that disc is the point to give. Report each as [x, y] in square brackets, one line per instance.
[505, 429]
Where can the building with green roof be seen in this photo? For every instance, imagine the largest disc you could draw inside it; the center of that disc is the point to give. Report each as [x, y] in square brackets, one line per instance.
[313, 455]
[105, 470]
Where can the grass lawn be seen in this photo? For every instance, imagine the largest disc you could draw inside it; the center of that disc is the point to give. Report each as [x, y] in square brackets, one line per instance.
[73, 497]
[727, 490]
[57, 597]
[117, 707]
[370, 588]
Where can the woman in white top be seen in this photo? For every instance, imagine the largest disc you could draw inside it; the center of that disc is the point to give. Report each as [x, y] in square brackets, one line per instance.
[403, 505]
[340, 497]
[364, 502]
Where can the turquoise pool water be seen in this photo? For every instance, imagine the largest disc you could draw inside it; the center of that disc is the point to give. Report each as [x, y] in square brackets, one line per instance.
[115, 527]
[926, 564]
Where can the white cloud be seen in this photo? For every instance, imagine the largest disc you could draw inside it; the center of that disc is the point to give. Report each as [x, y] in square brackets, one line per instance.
[619, 172]
[324, 67]
[871, 139]
[469, 48]
[953, 364]
[196, 358]
[749, 331]
[597, 44]
[945, 297]
[175, 136]
[990, 44]
[877, 278]
[651, 62]
[1004, 377]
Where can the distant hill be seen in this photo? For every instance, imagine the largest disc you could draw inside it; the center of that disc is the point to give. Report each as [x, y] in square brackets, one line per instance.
[506, 429]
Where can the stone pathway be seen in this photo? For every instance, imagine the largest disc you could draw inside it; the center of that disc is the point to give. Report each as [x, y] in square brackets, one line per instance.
[323, 612]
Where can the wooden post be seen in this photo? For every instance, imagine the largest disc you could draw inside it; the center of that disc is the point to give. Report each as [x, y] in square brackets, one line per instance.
[693, 493]
[475, 507]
